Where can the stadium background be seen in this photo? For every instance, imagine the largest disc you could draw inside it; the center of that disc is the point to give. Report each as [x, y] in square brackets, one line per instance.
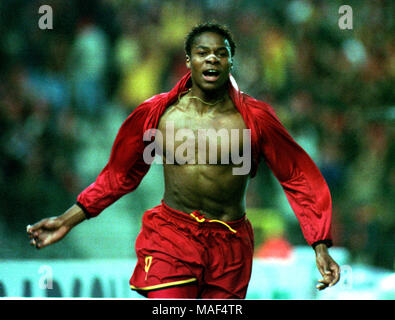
[64, 93]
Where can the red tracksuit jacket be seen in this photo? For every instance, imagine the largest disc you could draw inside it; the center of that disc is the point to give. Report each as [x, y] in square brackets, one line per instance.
[302, 182]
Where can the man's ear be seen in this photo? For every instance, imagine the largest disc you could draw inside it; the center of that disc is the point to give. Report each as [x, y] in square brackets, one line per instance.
[188, 62]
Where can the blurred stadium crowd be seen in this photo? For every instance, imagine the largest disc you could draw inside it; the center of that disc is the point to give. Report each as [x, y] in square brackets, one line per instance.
[333, 89]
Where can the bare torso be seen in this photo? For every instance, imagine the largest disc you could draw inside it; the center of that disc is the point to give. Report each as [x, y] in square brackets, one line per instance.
[193, 181]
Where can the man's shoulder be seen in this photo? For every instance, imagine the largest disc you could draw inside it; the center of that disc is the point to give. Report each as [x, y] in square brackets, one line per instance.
[256, 105]
[150, 103]
[153, 101]
[156, 98]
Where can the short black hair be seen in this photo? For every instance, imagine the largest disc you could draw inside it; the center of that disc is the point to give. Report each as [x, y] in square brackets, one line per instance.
[209, 27]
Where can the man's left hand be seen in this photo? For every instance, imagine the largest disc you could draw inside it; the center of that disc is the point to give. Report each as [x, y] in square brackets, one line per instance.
[328, 268]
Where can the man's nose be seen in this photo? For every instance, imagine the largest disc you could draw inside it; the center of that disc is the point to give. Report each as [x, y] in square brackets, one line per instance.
[212, 58]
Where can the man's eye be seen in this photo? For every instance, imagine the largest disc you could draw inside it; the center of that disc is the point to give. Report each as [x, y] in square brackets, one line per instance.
[201, 53]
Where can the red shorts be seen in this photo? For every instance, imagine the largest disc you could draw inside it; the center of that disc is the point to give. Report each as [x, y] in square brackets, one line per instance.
[176, 248]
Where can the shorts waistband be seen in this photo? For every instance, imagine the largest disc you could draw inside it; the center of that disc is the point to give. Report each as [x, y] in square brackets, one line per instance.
[196, 218]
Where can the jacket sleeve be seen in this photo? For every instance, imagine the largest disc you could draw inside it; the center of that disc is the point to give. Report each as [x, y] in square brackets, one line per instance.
[124, 170]
[301, 180]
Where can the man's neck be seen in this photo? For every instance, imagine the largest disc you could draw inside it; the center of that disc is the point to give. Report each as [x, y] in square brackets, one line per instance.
[203, 101]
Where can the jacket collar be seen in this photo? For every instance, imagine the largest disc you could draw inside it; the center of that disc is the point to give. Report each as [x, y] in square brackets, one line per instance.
[185, 83]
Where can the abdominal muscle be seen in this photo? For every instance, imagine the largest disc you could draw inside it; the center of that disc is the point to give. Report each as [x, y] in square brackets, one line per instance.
[211, 189]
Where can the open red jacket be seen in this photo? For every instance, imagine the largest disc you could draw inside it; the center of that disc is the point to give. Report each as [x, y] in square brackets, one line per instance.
[302, 182]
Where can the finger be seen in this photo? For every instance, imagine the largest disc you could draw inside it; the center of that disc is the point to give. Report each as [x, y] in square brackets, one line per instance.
[33, 242]
[327, 281]
[37, 225]
[327, 277]
[45, 242]
[45, 239]
[43, 236]
[39, 243]
[31, 232]
[336, 277]
[327, 271]
[37, 229]
[321, 286]
[324, 282]
[323, 269]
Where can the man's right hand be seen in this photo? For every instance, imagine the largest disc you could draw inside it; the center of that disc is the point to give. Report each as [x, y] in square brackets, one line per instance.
[47, 231]
[51, 230]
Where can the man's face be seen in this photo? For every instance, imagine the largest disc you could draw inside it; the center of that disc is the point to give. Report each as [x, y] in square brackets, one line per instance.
[210, 61]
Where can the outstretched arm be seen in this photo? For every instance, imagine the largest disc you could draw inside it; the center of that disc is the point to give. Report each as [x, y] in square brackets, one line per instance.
[51, 230]
[124, 170]
[122, 174]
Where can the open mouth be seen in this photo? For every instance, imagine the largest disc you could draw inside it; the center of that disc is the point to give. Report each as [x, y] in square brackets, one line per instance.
[211, 75]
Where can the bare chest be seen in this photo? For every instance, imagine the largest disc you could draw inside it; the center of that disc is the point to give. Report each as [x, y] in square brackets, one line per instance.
[190, 138]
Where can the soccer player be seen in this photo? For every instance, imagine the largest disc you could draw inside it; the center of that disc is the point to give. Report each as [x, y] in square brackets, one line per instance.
[198, 243]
